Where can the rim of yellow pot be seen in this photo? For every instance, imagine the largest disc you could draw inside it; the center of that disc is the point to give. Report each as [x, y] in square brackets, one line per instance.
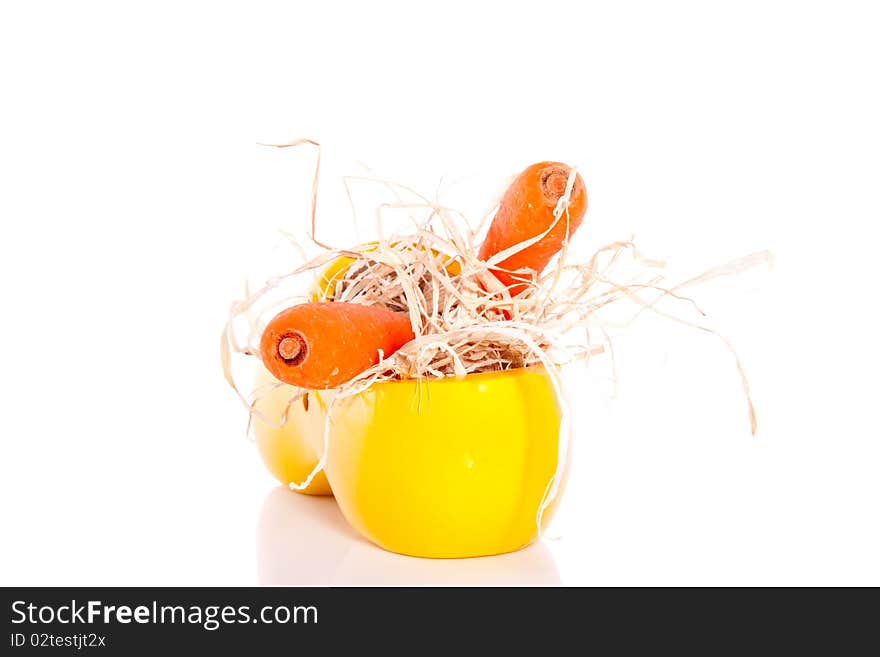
[335, 270]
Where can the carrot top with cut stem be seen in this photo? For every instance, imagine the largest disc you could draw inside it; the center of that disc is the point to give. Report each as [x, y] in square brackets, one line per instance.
[528, 209]
[322, 345]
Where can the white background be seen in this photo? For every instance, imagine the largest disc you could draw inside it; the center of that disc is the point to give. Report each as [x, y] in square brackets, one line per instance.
[134, 201]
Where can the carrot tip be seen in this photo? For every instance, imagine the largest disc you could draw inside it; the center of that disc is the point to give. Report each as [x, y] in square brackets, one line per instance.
[553, 182]
[292, 348]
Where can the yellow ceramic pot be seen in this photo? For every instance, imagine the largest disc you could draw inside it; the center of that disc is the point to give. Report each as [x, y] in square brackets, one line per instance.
[283, 447]
[432, 467]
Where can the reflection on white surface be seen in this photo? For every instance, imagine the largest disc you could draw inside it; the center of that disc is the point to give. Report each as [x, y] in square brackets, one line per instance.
[305, 540]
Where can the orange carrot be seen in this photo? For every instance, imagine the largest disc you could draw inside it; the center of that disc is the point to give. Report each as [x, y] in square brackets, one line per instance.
[322, 345]
[525, 212]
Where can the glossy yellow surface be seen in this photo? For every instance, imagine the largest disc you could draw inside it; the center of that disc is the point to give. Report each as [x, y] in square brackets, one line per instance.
[445, 468]
[284, 449]
[431, 468]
